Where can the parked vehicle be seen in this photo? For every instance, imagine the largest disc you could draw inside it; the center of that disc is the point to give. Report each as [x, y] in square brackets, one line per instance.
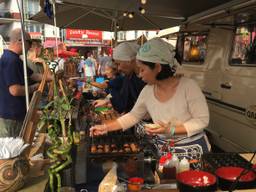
[218, 50]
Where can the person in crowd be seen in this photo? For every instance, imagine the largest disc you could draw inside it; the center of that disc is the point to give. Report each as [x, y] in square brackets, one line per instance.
[113, 82]
[12, 89]
[80, 66]
[123, 101]
[103, 59]
[55, 64]
[176, 104]
[48, 54]
[34, 60]
[89, 67]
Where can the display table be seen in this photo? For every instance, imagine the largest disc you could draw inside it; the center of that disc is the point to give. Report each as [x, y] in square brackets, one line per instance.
[160, 190]
[37, 184]
[176, 190]
[248, 156]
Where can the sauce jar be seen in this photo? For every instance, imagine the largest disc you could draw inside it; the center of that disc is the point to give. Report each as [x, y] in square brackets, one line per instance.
[135, 184]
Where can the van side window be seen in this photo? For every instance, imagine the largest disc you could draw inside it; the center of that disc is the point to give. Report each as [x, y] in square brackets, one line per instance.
[191, 47]
[244, 46]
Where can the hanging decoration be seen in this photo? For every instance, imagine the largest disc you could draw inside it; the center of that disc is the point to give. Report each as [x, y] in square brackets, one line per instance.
[48, 8]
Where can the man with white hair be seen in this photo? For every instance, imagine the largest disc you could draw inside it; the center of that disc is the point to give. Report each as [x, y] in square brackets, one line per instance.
[12, 89]
[124, 56]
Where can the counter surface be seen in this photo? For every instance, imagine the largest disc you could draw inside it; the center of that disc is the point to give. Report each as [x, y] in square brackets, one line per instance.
[35, 184]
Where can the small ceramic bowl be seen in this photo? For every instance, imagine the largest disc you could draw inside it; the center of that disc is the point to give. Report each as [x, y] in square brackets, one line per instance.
[135, 183]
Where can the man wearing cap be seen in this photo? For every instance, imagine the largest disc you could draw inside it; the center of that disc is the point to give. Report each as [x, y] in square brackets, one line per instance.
[125, 57]
[12, 89]
[176, 104]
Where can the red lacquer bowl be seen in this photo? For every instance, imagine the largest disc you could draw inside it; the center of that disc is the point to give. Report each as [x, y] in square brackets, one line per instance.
[228, 175]
[195, 180]
[231, 173]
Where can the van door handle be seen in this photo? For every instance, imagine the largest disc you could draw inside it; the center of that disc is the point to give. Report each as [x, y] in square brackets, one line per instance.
[226, 85]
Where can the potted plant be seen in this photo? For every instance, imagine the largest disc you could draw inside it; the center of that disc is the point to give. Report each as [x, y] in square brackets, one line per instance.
[56, 118]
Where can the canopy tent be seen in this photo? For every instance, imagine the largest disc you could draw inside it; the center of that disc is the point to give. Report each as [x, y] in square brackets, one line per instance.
[108, 15]
[84, 17]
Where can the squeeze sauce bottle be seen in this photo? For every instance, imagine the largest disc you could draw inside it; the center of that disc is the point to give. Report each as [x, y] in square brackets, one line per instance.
[184, 165]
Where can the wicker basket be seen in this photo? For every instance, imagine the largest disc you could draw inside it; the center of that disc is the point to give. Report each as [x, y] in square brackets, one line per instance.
[12, 173]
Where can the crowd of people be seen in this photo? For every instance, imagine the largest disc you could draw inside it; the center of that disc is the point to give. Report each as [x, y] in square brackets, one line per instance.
[12, 86]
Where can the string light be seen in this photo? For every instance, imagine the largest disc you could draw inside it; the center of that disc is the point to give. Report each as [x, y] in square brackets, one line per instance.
[125, 14]
[142, 10]
[130, 15]
[143, 2]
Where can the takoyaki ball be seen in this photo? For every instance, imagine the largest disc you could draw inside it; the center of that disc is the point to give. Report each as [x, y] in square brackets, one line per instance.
[126, 145]
[121, 151]
[114, 150]
[106, 148]
[100, 150]
[127, 149]
[134, 148]
[93, 149]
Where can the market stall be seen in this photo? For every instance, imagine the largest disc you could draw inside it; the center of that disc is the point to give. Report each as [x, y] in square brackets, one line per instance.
[134, 153]
[136, 156]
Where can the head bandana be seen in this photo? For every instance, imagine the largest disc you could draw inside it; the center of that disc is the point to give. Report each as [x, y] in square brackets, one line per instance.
[157, 50]
[125, 51]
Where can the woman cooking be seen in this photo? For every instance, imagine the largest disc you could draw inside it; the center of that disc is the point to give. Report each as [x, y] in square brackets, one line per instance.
[176, 104]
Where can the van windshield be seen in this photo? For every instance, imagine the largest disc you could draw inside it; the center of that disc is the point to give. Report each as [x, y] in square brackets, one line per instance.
[244, 46]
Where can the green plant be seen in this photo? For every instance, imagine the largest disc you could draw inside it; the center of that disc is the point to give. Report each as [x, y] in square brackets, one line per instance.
[57, 119]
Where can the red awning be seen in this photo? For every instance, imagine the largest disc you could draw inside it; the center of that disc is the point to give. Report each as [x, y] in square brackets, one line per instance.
[65, 54]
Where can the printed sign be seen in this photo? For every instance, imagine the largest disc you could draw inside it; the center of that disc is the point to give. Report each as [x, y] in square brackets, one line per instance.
[35, 35]
[80, 34]
[250, 113]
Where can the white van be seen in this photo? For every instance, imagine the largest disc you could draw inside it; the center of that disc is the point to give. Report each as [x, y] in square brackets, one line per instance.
[218, 50]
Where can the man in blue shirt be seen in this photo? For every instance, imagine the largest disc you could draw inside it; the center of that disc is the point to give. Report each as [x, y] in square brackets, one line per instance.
[12, 89]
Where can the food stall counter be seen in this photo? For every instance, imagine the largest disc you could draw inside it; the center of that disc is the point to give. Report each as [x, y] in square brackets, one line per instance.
[37, 184]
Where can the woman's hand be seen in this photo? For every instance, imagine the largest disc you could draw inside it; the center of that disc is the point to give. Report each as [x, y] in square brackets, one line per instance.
[98, 130]
[100, 103]
[162, 128]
